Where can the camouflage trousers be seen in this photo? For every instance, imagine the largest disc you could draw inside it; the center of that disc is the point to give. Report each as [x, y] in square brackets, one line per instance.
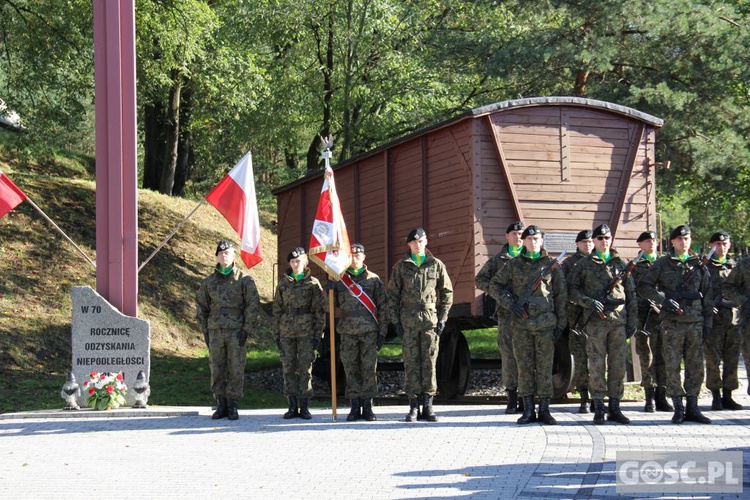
[577, 346]
[296, 361]
[420, 352]
[723, 345]
[683, 341]
[227, 359]
[359, 355]
[651, 353]
[744, 334]
[534, 353]
[607, 352]
[507, 360]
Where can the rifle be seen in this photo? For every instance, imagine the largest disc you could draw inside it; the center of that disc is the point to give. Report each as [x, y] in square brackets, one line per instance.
[537, 282]
[720, 301]
[652, 307]
[605, 297]
[680, 292]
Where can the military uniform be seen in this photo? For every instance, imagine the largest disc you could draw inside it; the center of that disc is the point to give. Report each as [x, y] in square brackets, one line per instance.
[533, 337]
[683, 334]
[299, 317]
[736, 288]
[359, 331]
[723, 345]
[577, 343]
[420, 298]
[606, 344]
[227, 307]
[504, 337]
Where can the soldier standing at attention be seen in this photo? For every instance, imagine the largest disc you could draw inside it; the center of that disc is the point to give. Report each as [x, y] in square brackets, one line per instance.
[362, 332]
[723, 345]
[420, 295]
[577, 343]
[535, 324]
[736, 288]
[649, 338]
[613, 312]
[227, 307]
[680, 284]
[510, 250]
[299, 318]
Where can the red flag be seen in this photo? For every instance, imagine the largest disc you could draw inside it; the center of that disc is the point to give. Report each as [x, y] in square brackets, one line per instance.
[329, 243]
[10, 195]
[235, 198]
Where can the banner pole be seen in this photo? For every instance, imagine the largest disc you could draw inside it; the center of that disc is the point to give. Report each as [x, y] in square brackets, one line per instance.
[332, 342]
[93, 264]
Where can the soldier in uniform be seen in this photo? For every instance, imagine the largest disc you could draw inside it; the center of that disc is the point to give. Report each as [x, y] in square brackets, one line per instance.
[577, 343]
[420, 295]
[679, 283]
[723, 345]
[535, 325]
[227, 307]
[362, 333]
[613, 312]
[736, 288]
[511, 249]
[648, 337]
[299, 317]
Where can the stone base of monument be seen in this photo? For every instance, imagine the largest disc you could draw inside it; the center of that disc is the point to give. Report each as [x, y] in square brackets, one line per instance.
[122, 412]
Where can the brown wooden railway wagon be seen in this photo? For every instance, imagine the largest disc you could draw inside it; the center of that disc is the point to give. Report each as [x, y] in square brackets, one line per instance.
[563, 163]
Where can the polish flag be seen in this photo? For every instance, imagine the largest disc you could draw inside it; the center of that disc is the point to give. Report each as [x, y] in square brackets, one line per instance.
[10, 195]
[329, 243]
[234, 197]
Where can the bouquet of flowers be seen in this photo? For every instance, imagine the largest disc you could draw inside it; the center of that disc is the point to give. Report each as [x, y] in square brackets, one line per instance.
[106, 390]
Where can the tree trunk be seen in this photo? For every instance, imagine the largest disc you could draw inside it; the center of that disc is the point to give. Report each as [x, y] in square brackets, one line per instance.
[185, 145]
[313, 153]
[153, 144]
[173, 137]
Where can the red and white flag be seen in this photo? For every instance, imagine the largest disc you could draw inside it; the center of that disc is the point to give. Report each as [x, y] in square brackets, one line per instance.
[235, 198]
[10, 195]
[329, 243]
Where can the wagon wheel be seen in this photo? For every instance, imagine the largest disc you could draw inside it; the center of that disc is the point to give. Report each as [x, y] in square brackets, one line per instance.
[453, 364]
[562, 367]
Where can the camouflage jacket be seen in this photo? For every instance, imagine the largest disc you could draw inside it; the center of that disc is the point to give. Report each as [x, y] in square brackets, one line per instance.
[299, 307]
[575, 312]
[546, 306]
[736, 286]
[591, 279]
[489, 269]
[727, 310]
[662, 281]
[641, 269]
[228, 302]
[421, 296]
[353, 317]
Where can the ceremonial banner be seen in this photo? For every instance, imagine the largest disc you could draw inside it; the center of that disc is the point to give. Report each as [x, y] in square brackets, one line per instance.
[329, 243]
[235, 198]
[10, 195]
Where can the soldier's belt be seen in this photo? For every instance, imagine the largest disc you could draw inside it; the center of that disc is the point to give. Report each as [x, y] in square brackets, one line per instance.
[227, 310]
[297, 312]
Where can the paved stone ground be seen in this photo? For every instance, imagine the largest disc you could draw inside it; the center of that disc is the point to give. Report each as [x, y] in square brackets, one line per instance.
[472, 451]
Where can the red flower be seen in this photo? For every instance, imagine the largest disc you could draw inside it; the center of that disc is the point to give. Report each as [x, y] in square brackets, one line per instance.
[92, 390]
[110, 389]
[119, 376]
[86, 384]
[93, 374]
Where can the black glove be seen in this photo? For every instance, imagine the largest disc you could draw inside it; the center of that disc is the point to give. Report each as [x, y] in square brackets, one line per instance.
[241, 337]
[517, 309]
[706, 332]
[315, 342]
[629, 332]
[330, 285]
[557, 333]
[597, 306]
[206, 337]
[379, 341]
[440, 328]
[670, 305]
[399, 329]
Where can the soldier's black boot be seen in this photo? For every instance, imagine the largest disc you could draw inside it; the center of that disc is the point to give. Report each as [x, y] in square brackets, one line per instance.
[292, 411]
[355, 413]
[649, 407]
[221, 409]
[413, 414]
[661, 400]
[367, 412]
[529, 415]
[693, 413]
[598, 412]
[615, 415]
[728, 402]
[716, 403]
[512, 406]
[519, 409]
[544, 415]
[428, 413]
[304, 411]
[232, 412]
[679, 410]
[584, 408]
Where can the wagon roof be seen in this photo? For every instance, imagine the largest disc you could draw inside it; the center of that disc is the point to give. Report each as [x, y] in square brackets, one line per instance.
[491, 108]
